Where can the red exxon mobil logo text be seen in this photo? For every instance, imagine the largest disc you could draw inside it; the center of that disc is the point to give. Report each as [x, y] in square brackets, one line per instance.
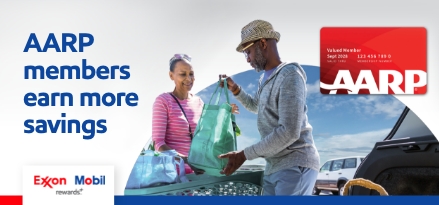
[82, 180]
[50, 182]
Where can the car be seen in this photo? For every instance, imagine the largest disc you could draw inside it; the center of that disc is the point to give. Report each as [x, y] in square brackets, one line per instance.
[334, 174]
[406, 162]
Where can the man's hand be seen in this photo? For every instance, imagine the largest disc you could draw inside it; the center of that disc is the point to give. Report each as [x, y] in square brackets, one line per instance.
[236, 159]
[231, 85]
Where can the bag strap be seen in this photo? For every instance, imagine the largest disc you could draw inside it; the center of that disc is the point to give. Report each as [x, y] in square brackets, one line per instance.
[224, 89]
[190, 130]
[214, 92]
[182, 175]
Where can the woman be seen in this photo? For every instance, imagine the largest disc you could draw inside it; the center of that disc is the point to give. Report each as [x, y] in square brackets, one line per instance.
[176, 114]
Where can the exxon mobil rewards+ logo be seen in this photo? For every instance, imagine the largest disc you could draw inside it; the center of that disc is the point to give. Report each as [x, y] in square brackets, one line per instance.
[51, 182]
[373, 60]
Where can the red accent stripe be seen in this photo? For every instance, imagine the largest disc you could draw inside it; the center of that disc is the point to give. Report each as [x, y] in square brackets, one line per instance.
[11, 200]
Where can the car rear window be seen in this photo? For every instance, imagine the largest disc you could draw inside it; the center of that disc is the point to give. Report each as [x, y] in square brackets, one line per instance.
[326, 166]
[412, 126]
[337, 164]
[350, 163]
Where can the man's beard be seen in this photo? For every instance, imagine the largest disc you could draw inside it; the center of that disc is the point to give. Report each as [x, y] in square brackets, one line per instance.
[259, 62]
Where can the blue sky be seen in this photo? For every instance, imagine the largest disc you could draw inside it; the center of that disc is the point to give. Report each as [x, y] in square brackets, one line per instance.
[343, 125]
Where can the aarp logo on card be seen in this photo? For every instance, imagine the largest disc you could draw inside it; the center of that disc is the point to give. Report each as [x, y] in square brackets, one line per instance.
[373, 60]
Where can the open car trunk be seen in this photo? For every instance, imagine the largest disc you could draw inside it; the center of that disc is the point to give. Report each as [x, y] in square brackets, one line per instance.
[405, 163]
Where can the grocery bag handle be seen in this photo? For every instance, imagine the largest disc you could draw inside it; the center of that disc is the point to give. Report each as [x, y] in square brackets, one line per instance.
[182, 175]
[215, 92]
[225, 89]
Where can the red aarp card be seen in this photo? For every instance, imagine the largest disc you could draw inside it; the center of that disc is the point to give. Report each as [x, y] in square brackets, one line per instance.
[373, 60]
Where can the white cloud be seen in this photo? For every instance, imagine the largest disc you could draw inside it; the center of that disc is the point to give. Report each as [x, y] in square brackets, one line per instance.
[358, 144]
[318, 101]
[251, 86]
[331, 146]
[375, 106]
[255, 161]
[313, 88]
[203, 96]
[245, 141]
[386, 105]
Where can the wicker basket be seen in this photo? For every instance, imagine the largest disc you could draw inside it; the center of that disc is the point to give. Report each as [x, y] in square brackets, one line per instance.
[366, 184]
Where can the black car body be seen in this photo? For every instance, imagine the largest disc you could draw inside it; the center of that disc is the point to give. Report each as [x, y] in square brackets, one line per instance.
[406, 162]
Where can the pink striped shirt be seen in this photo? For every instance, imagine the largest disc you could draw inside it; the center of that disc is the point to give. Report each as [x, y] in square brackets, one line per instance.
[170, 127]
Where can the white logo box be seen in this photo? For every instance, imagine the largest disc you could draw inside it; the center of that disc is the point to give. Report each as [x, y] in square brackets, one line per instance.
[68, 185]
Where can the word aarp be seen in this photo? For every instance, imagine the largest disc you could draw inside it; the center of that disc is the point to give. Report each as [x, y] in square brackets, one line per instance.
[68, 41]
[401, 84]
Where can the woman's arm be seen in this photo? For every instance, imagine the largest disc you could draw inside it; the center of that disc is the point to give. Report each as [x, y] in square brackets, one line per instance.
[159, 124]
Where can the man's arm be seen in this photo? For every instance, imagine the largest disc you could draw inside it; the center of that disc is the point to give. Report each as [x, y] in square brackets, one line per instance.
[291, 112]
[249, 102]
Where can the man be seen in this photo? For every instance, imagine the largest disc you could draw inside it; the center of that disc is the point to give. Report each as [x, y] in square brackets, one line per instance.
[286, 136]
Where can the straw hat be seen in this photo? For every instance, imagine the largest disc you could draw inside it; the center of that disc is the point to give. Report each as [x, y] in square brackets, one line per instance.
[255, 30]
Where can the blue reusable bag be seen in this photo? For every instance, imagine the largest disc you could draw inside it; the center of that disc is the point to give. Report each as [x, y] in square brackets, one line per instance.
[156, 169]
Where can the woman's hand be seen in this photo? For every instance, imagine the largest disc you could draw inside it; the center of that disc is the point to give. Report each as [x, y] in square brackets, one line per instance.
[184, 157]
[196, 170]
[235, 109]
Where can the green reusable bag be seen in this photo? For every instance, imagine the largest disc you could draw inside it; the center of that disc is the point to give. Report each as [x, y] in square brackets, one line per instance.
[214, 135]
